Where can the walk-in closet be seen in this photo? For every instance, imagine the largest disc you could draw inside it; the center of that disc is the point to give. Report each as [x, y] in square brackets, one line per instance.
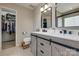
[8, 20]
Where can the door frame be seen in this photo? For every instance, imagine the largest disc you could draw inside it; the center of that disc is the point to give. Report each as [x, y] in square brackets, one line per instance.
[1, 26]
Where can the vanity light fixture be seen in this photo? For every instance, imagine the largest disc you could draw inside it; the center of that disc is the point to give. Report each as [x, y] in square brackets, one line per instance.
[44, 7]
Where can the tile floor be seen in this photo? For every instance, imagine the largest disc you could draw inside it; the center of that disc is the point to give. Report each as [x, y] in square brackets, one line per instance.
[8, 44]
[16, 51]
[6, 36]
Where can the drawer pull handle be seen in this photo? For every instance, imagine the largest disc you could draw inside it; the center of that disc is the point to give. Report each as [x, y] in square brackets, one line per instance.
[42, 44]
[42, 52]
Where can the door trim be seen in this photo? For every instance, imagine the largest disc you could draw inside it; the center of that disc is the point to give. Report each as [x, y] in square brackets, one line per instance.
[1, 27]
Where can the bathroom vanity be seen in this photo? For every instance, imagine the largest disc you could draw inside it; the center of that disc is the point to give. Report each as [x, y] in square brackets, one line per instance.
[63, 41]
[44, 44]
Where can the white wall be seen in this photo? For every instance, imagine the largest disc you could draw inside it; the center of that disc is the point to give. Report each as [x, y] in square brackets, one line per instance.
[37, 18]
[24, 20]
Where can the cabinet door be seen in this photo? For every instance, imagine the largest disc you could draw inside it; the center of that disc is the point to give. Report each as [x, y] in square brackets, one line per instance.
[64, 51]
[55, 51]
[58, 50]
[71, 52]
[33, 45]
[44, 47]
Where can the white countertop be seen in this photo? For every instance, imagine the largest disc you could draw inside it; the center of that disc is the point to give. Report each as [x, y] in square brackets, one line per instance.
[68, 37]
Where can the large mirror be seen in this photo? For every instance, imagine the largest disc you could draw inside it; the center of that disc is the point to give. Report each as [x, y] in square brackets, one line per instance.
[46, 16]
[67, 15]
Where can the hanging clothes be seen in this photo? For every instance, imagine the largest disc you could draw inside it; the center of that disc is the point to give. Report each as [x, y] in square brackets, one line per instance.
[3, 26]
[13, 27]
[6, 26]
[9, 28]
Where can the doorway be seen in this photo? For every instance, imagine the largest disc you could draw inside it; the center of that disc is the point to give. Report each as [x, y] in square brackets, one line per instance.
[8, 24]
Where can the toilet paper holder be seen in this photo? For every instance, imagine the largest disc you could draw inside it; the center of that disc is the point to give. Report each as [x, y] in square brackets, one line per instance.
[24, 33]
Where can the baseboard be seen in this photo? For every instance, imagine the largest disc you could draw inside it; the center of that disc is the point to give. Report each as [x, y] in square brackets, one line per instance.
[8, 40]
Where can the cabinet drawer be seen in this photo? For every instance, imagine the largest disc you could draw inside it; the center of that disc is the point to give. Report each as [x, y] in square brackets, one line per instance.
[43, 43]
[44, 52]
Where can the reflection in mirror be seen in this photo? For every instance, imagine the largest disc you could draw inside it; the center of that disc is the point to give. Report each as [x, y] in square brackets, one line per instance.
[67, 15]
[46, 16]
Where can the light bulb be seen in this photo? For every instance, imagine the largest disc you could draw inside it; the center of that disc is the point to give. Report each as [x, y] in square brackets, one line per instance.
[49, 8]
[71, 8]
[45, 11]
[41, 9]
[46, 6]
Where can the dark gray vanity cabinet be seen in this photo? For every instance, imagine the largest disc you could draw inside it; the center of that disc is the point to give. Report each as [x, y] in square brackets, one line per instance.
[33, 45]
[44, 47]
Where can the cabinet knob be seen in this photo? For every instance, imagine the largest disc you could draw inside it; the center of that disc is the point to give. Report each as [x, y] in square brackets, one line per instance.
[41, 51]
[42, 44]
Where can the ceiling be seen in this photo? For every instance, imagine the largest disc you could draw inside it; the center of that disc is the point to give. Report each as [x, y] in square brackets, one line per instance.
[64, 7]
[61, 7]
[29, 5]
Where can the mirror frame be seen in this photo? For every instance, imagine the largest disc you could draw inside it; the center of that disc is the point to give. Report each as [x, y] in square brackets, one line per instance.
[41, 15]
